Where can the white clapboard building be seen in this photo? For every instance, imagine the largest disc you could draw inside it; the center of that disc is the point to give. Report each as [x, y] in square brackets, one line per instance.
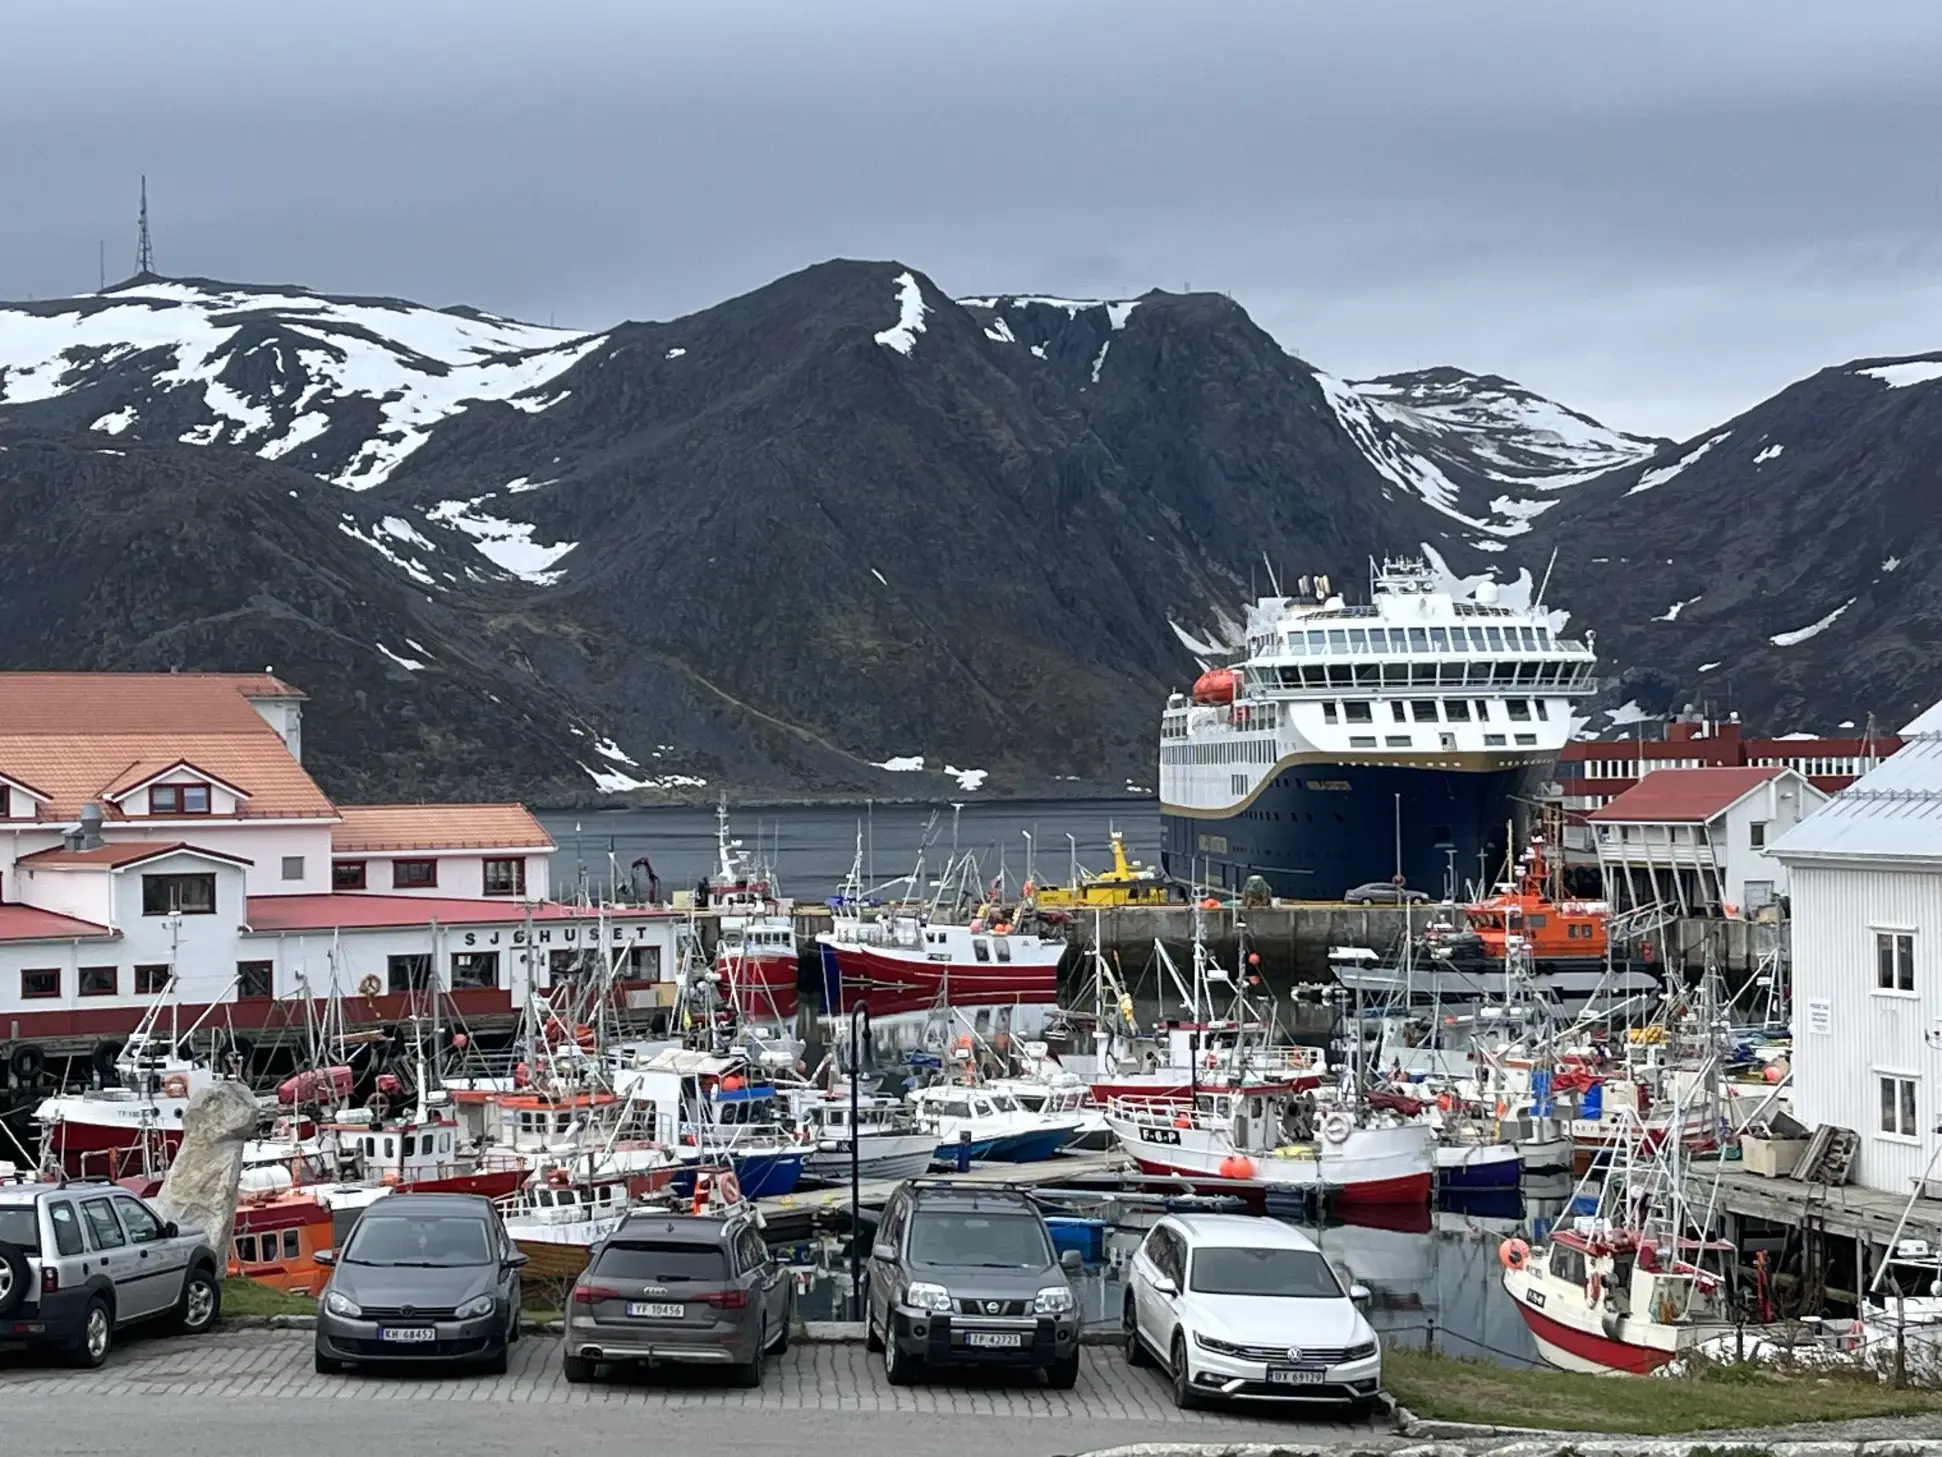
[1867, 965]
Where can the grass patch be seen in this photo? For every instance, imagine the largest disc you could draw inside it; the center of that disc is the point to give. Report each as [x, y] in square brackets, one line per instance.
[1715, 1398]
[243, 1297]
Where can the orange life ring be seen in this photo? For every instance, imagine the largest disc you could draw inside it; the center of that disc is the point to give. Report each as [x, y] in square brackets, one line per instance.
[730, 1187]
[1514, 1254]
[369, 985]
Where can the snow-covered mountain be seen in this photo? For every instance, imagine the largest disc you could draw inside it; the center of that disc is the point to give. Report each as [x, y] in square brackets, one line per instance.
[345, 388]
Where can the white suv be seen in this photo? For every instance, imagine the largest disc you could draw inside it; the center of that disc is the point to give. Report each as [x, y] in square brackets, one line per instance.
[1248, 1308]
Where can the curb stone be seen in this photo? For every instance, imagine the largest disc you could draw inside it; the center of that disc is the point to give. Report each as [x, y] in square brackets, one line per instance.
[1553, 1444]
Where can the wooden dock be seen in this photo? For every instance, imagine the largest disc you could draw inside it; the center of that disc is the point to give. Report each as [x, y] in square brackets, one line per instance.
[808, 1207]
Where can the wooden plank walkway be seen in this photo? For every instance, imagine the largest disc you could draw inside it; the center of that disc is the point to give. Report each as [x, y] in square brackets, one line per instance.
[1846, 1210]
[819, 1204]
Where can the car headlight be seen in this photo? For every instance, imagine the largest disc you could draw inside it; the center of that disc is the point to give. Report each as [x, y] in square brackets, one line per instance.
[934, 1298]
[477, 1306]
[1218, 1347]
[1053, 1300]
[1360, 1352]
[342, 1305]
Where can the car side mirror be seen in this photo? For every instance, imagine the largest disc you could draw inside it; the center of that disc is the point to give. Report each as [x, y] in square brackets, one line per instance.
[517, 1260]
[883, 1250]
[1165, 1285]
[1359, 1294]
[1071, 1262]
[324, 1257]
[169, 1231]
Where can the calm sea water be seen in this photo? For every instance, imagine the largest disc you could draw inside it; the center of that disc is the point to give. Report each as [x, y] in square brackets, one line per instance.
[812, 847]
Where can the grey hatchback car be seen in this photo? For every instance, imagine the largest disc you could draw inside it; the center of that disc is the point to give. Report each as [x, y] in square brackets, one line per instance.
[79, 1262]
[679, 1289]
[423, 1277]
[965, 1275]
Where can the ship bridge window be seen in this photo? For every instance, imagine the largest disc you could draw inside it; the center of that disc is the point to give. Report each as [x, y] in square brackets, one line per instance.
[1316, 642]
[1297, 646]
[1378, 640]
[1368, 675]
[1544, 638]
[1423, 674]
[1456, 710]
[1519, 709]
[1527, 672]
[1424, 710]
[1439, 640]
[1537, 706]
[1399, 710]
[1419, 640]
[1395, 675]
[1329, 712]
[1358, 640]
[1477, 643]
[1495, 637]
[1338, 640]
[1357, 712]
[1398, 640]
[1483, 711]
[1339, 676]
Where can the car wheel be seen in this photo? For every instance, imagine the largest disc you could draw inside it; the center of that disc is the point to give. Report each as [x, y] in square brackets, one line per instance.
[579, 1370]
[325, 1366]
[97, 1336]
[1362, 1408]
[749, 1373]
[14, 1277]
[1184, 1395]
[1136, 1352]
[1062, 1373]
[202, 1302]
[898, 1368]
[872, 1341]
[495, 1364]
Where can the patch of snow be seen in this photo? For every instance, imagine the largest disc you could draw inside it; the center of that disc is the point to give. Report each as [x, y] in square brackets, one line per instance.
[674, 353]
[911, 308]
[902, 764]
[519, 485]
[1483, 545]
[1100, 360]
[1798, 736]
[417, 647]
[1671, 614]
[1201, 647]
[1772, 452]
[115, 421]
[1813, 629]
[411, 568]
[1000, 331]
[1628, 712]
[1118, 313]
[534, 406]
[410, 665]
[1901, 376]
[1039, 350]
[608, 749]
[612, 781]
[397, 528]
[1845, 723]
[103, 450]
[1707, 667]
[1890, 563]
[508, 545]
[303, 429]
[979, 303]
[969, 780]
[878, 575]
[1664, 473]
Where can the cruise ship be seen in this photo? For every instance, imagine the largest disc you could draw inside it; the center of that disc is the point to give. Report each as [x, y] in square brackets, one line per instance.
[1350, 744]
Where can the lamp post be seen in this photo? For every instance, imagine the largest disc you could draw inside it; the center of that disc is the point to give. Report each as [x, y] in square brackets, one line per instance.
[859, 1029]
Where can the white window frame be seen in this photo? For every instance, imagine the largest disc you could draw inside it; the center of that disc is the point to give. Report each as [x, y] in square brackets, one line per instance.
[1906, 993]
[1902, 1078]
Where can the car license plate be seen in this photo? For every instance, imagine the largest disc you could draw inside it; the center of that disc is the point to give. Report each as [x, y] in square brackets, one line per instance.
[996, 1340]
[408, 1335]
[1292, 1376]
[649, 1310]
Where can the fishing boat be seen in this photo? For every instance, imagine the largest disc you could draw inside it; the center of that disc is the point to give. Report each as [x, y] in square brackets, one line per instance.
[976, 1122]
[1467, 1159]
[888, 1140]
[1280, 1140]
[1128, 883]
[718, 1109]
[276, 1237]
[756, 953]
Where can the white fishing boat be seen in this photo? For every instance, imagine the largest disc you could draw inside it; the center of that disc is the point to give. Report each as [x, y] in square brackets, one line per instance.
[973, 1121]
[889, 1141]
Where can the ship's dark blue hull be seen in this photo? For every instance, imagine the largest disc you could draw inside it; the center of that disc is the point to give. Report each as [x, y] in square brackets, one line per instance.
[1314, 831]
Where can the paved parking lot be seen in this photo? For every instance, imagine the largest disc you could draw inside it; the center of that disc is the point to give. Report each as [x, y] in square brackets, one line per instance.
[817, 1398]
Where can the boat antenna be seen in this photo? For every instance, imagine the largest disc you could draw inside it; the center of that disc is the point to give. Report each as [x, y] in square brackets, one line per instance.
[1538, 601]
[1273, 580]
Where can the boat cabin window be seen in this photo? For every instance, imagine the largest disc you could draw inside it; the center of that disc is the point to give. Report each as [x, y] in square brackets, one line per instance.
[980, 948]
[246, 1249]
[411, 1145]
[1003, 947]
[952, 1108]
[1033, 1101]
[390, 1148]
[1568, 1264]
[981, 1108]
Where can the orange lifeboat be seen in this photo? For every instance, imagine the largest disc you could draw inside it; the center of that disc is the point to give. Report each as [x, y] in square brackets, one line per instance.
[1217, 685]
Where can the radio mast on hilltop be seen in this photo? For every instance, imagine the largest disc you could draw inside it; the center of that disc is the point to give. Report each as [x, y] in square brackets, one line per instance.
[144, 250]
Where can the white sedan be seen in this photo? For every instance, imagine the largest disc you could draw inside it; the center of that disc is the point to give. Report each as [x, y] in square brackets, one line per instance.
[1249, 1309]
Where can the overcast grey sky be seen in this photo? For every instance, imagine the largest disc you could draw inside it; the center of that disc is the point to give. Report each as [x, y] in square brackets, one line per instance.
[1655, 210]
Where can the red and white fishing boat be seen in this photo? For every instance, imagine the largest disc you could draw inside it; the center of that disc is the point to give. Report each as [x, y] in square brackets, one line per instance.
[1277, 1137]
[757, 954]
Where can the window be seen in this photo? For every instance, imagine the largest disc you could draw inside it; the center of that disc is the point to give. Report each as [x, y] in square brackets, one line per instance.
[411, 973]
[1357, 712]
[347, 875]
[1483, 711]
[255, 979]
[178, 895]
[565, 965]
[1897, 1106]
[475, 969]
[980, 948]
[100, 981]
[1396, 741]
[1894, 961]
[1424, 709]
[1519, 709]
[1362, 741]
[1756, 834]
[1493, 741]
[1529, 741]
[1399, 711]
[150, 980]
[246, 1249]
[505, 877]
[39, 983]
[103, 1230]
[414, 874]
[178, 799]
[643, 963]
[67, 1227]
[1328, 712]
[1457, 710]
[293, 867]
[142, 1225]
[1002, 945]
[1537, 706]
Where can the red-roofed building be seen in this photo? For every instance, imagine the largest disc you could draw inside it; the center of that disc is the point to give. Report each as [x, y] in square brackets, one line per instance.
[1696, 839]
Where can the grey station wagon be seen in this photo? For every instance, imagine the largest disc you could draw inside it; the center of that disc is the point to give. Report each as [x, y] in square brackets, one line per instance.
[680, 1288]
[79, 1262]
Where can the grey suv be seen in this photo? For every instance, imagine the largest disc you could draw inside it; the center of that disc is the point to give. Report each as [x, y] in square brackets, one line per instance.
[79, 1262]
[964, 1275]
[699, 1288]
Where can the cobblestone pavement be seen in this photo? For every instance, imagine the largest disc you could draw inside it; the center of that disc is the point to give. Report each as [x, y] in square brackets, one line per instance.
[818, 1398]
